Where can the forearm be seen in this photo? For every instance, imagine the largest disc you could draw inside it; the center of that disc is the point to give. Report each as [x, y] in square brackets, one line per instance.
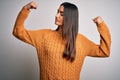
[19, 24]
[105, 39]
[103, 49]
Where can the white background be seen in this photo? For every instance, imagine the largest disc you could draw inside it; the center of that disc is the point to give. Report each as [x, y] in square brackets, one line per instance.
[18, 60]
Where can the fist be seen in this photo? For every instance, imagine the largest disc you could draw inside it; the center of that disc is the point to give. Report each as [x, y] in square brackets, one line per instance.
[97, 20]
[31, 5]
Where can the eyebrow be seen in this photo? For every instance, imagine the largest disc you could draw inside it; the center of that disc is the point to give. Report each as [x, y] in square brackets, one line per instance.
[60, 11]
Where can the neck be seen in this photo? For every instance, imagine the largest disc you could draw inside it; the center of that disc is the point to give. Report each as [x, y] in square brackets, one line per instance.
[60, 29]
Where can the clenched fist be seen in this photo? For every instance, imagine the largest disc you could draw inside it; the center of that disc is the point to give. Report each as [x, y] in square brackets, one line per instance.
[97, 20]
[31, 5]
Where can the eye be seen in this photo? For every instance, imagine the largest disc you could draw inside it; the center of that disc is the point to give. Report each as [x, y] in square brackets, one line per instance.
[61, 14]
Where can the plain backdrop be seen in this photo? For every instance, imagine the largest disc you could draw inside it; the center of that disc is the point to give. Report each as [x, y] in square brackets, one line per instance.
[18, 60]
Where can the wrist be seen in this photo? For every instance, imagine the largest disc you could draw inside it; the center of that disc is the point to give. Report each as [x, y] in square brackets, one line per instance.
[27, 6]
[100, 21]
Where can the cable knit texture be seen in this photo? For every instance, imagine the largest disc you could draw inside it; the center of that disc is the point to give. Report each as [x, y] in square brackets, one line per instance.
[50, 46]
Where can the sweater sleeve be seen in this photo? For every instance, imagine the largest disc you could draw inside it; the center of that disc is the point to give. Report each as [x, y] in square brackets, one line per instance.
[19, 31]
[103, 49]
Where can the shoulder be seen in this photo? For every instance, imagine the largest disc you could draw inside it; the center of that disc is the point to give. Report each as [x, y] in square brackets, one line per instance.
[80, 36]
[48, 31]
[39, 32]
[44, 31]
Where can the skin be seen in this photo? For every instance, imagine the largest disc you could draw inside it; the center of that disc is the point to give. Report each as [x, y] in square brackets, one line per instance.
[59, 16]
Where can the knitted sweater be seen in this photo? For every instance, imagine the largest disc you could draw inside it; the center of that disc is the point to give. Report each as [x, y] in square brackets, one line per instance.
[50, 46]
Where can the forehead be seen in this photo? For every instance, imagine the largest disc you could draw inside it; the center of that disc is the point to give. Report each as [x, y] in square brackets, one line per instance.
[61, 8]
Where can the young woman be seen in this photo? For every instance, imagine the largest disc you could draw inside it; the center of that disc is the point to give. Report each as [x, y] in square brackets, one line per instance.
[61, 52]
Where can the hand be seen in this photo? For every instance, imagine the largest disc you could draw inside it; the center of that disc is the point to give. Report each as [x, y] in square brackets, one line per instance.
[98, 20]
[31, 5]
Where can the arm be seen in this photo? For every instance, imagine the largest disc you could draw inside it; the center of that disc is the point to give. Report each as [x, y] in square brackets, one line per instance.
[19, 31]
[103, 49]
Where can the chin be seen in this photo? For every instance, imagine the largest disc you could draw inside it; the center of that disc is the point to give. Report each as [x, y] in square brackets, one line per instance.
[57, 23]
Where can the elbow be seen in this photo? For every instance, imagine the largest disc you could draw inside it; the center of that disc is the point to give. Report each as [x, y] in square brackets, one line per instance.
[107, 54]
[14, 32]
[18, 30]
[104, 53]
[17, 33]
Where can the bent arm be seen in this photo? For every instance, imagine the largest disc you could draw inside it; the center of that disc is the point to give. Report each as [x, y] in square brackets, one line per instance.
[19, 30]
[103, 49]
[19, 24]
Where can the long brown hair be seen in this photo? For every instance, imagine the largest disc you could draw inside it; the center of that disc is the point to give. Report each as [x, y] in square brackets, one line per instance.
[70, 29]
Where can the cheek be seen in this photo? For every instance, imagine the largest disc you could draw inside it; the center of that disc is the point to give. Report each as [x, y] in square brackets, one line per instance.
[62, 20]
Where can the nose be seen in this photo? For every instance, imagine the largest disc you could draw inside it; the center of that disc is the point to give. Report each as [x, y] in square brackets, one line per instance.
[57, 15]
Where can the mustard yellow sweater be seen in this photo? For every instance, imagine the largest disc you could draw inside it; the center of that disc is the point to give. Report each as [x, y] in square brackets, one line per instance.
[50, 46]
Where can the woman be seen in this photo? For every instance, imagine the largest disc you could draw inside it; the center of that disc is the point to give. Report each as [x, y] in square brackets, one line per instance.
[61, 52]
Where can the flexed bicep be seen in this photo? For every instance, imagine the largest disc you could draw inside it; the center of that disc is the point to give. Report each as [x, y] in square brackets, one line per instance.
[103, 48]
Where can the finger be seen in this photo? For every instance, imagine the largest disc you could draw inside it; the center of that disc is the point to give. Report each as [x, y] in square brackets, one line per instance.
[33, 5]
[94, 20]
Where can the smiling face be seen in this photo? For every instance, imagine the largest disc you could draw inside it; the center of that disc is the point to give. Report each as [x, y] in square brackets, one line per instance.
[59, 16]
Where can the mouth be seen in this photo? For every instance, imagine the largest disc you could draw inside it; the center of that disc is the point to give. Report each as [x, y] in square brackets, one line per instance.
[56, 20]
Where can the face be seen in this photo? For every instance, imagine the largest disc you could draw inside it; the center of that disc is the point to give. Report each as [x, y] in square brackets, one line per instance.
[59, 16]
